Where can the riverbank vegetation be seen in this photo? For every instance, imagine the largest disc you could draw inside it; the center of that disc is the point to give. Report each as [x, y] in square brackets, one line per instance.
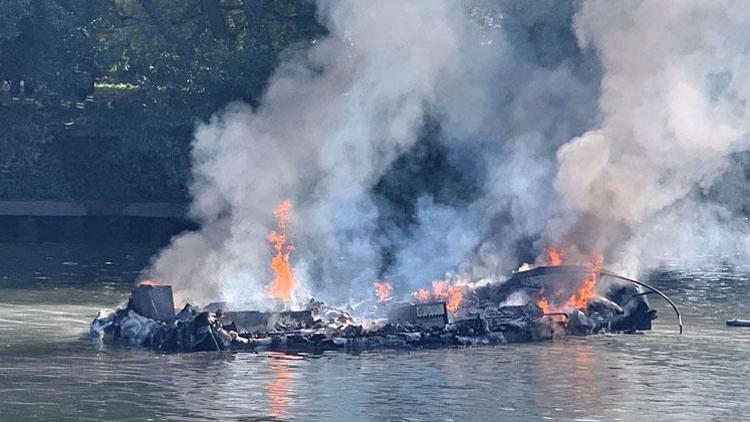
[111, 90]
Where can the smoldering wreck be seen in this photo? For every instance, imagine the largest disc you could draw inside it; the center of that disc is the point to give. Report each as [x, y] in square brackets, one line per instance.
[534, 305]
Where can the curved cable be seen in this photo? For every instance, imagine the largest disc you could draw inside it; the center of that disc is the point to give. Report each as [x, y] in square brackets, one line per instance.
[652, 288]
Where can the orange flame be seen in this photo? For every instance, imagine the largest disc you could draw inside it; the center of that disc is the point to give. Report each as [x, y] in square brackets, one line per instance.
[544, 304]
[442, 290]
[555, 256]
[581, 298]
[148, 282]
[384, 290]
[453, 295]
[439, 289]
[423, 295]
[284, 282]
[455, 298]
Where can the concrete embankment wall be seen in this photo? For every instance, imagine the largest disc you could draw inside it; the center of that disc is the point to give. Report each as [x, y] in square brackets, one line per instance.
[91, 222]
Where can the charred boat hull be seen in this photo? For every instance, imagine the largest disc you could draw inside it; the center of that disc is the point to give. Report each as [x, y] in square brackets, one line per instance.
[486, 319]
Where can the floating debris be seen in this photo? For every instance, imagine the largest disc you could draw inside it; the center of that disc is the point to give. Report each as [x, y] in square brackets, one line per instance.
[738, 322]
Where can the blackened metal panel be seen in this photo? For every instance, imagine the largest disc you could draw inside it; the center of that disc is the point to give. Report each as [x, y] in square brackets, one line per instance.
[255, 321]
[428, 315]
[155, 302]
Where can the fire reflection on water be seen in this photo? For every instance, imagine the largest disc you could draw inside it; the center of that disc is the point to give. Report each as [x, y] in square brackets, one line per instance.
[584, 363]
[279, 386]
[576, 388]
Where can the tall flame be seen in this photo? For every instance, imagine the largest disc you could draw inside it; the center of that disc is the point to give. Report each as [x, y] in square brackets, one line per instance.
[383, 290]
[284, 282]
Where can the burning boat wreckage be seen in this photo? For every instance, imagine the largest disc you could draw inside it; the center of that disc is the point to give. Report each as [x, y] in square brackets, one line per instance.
[535, 305]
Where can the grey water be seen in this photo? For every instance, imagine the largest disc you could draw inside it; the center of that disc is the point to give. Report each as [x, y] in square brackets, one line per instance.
[49, 370]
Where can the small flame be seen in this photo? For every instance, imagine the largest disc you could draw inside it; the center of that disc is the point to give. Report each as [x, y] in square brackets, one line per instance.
[544, 304]
[581, 298]
[556, 256]
[148, 282]
[284, 282]
[423, 295]
[383, 290]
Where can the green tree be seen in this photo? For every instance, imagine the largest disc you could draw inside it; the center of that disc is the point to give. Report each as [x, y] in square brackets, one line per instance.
[199, 54]
[44, 43]
[159, 64]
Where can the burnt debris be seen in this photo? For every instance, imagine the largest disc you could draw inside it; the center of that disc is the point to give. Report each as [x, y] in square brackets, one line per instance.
[154, 302]
[492, 314]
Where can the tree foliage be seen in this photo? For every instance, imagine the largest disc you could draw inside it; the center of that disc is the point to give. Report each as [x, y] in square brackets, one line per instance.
[152, 67]
[44, 43]
[187, 53]
[199, 53]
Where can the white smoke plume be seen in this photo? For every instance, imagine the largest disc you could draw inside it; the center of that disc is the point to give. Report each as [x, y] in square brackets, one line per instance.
[599, 126]
[674, 112]
[328, 127]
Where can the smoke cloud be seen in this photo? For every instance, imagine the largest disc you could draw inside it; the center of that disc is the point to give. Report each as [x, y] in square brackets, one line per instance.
[673, 103]
[330, 124]
[421, 138]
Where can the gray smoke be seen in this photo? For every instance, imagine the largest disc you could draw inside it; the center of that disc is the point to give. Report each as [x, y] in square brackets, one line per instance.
[329, 126]
[426, 137]
[674, 113]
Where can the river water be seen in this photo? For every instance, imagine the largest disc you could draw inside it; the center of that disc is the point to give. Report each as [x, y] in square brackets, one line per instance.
[49, 370]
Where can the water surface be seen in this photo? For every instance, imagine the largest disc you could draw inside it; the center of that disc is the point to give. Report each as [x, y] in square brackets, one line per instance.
[49, 370]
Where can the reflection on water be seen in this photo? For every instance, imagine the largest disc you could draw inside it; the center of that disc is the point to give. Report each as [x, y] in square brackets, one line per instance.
[50, 371]
[584, 361]
[280, 385]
